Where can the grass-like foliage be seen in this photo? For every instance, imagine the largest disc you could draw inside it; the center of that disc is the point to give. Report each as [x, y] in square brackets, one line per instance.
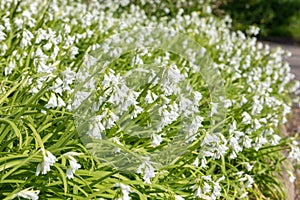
[47, 49]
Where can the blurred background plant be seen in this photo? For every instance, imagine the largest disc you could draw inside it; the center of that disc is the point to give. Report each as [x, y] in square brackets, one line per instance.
[275, 18]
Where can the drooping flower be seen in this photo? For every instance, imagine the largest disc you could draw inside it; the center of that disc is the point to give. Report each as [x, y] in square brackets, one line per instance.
[48, 160]
[27, 36]
[73, 167]
[214, 108]
[147, 170]
[125, 191]
[246, 118]
[73, 164]
[29, 194]
[2, 34]
[55, 101]
[156, 140]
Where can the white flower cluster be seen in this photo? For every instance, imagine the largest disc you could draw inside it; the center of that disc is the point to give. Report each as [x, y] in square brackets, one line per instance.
[125, 189]
[207, 188]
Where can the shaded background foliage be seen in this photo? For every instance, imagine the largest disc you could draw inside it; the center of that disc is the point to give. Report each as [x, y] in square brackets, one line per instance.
[279, 18]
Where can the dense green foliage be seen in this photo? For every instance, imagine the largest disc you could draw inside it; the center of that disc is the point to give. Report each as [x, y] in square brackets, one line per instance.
[49, 51]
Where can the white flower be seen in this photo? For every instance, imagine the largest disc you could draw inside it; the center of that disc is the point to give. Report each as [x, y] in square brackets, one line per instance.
[47, 46]
[178, 197]
[196, 162]
[217, 190]
[167, 116]
[253, 30]
[232, 155]
[29, 194]
[150, 97]
[227, 103]
[243, 195]
[3, 49]
[257, 125]
[41, 34]
[206, 188]
[124, 2]
[156, 140]
[117, 141]
[11, 65]
[67, 29]
[73, 167]
[294, 154]
[233, 141]
[125, 191]
[246, 118]
[214, 108]
[220, 151]
[2, 34]
[55, 52]
[259, 142]
[48, 160]
[73, 52]
[195, 125]
[247, 141]
[18, 22]
[96, 127]
[198, 191]
[27, 36]
[57, 88]
[147, 170]
[203, 163]
[73, 164]
[275, 139]
[6, 23]
[137, 110]
[69, 76]
[197, 97]
[137, 61]
[55, 101]
[174, 74]
[248, 166]
[207, 178]
[247, 181]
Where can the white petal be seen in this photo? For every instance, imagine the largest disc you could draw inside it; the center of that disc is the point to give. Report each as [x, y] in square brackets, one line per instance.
[69, 173]
[38, 169]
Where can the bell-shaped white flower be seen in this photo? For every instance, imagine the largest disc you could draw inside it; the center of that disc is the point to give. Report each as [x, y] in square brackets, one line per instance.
[55, 101]
[125, 191]
[29, 194]
[156, 140]
[48, 160]
[73, 164]
[73, 167]
[246, 118]
[147, 170]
